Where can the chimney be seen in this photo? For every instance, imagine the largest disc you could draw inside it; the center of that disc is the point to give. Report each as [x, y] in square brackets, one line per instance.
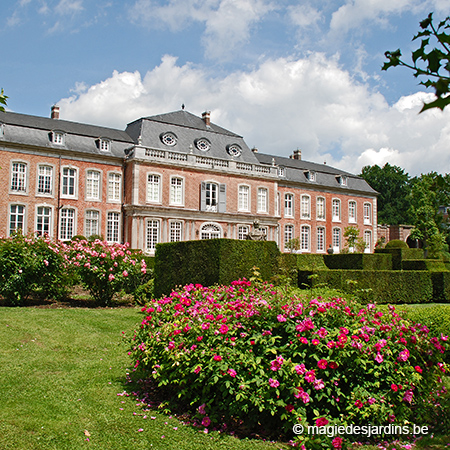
[55, 112]
[297, 154]
[254, 150]
[206, 116]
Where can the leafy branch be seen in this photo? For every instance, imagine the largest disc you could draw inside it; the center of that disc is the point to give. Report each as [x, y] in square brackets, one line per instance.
[433, 64]
[3, 98]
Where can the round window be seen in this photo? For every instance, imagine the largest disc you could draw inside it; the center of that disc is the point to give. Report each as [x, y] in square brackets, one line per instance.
[234, 150]
[168, 139]
[203, 144]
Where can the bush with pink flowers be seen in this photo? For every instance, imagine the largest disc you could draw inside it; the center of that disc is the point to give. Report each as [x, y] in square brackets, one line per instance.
[246, 353]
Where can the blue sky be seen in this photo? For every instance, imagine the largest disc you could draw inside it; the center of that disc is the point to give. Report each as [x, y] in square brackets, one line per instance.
[284, 74]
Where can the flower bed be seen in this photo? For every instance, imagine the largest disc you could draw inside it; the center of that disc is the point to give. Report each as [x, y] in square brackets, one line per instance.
[247, 353]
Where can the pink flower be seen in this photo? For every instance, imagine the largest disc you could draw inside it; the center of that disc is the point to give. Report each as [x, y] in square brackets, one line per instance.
[394, 387]
[322, 363]
[303, 340]
[418, 369]
[277, 363]
[403, 355]
[379, 358]
[310, 376]
[337, 442]
[206, 421]
[408, 396]
[217, 358]
[321, 421]
[223, 329]
[359, 404]
[289, 408]
[201, 409]
[111, 277]
[273, 383]
[281, 318]
[318, 384]
[300, 369]
[125, 273]
[315, 342]
[205, 325]
[232, 373]
[197, 369]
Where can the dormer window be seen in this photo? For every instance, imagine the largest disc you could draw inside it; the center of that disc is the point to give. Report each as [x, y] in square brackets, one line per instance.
[342, 179]
[281, 172]
[58, 137]
[104, 145]
[311, 175]
[2, 130]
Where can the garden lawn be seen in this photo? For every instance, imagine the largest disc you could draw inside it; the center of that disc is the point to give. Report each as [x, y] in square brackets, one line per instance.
[60, 373]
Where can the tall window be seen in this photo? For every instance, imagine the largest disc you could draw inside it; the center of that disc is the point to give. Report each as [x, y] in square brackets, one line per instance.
[19, 177]
[153, 188]
[262, 200]
[242, 232]
[305, 238]
[368, 241]
[152, 234]
[336, 210]
[112, 227]
[66, 224]
[288, 233]
[352, 211]
[306, 207]
[320, 239]
[176, 191]
[175, 231]
[277, 204]
[16, 218]
[210, 231]
[320, 208]
[244, 198]
[211, 196]
[367, 214]
[114, 187]
[336, 239]
[69, 177]
[43, 220]
[92, 223]
[92, 185]
[289, 205]
[45, 180]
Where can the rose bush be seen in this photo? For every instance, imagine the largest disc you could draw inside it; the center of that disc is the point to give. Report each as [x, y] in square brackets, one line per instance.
[248, 353]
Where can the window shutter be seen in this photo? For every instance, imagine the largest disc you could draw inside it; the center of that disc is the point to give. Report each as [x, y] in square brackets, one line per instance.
[203, 196]
[222, 198]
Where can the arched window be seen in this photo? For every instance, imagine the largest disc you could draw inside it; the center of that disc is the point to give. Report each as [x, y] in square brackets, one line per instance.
[210, 231]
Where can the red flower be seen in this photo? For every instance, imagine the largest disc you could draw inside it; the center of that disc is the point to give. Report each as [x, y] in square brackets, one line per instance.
[333, 365]
[418, 369]
[322, 363]
[394, 387]
[289, 408]
[321, 421]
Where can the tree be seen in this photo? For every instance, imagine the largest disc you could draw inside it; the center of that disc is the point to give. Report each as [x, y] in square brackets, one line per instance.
[3, 98]
[354, 242]
[434, 65]
[392, 184]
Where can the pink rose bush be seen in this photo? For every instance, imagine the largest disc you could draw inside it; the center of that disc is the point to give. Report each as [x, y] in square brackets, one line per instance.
[248, 352]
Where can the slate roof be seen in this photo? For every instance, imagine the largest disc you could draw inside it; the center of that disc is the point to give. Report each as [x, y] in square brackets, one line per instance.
[188, 128]
[296, 170]
[32, 130]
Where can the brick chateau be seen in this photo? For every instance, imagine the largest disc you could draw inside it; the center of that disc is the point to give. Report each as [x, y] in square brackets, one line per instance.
[170, 177]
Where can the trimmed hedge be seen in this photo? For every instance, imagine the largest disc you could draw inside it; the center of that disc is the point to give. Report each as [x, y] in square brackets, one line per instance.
[310, 262]
[381, 286]
[213, 261]
[396, 243]
[359, 261]
[441, 286]
[400, 254]
[434, 265]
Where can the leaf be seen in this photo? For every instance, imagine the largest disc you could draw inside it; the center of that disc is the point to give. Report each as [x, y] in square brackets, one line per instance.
[440, 103]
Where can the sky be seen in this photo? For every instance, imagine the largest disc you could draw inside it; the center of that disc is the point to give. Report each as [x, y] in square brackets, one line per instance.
[284, 74]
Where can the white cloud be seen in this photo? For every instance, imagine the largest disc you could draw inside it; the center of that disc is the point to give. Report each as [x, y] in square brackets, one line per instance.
[67, 7]
[284, 104]
[304, 15]
[227, 23]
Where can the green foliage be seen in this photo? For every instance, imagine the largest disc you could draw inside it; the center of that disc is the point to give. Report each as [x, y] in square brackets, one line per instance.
[433, 265]
[351, 234]
[31, 265]
[396, 243]
[359, 261]
[392, 184]
[441, 286]
[246, 353]
[434, 64]
[3, 100]
[400, 254]
[213, 261]
[293, 244]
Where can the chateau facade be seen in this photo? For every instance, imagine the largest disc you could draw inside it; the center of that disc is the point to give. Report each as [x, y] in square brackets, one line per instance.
[168, 178]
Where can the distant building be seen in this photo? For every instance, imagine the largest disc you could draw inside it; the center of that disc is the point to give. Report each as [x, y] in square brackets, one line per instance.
[170, 177]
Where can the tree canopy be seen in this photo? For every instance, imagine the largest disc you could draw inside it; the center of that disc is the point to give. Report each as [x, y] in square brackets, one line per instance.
[432, 65]
[3, 98]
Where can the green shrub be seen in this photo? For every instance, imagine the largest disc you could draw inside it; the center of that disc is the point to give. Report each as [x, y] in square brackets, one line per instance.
[245, 353]
[396, 243]
[359, 261]
[400, 254]
[434, 265]
[310, 262]
[213, 261]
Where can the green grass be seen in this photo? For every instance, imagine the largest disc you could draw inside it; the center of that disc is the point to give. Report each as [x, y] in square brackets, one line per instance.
[60, 373]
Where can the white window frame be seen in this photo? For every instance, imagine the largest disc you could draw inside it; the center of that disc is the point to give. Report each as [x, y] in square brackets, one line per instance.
[49, 225]
[244, 197]
[176, 190]
[153, 194]
[93, 188]
[69, 177]
[305, 206]
[289, 233]
[58, 137]
[288, 204]
[305, 238]
[47, 180]
[113, 226]
[368, 241]
[352, 211]
[210, 230]
[17, 215]
[367, 213]
[336, 239]
[175, 231]
[320, 208]
[336, 210]
[104, 145]
[114, 187]
[263, 195]
[321, 239]
[19, 178]
[88, 221]
[67, 223]
[243, 231]
[152, 234]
